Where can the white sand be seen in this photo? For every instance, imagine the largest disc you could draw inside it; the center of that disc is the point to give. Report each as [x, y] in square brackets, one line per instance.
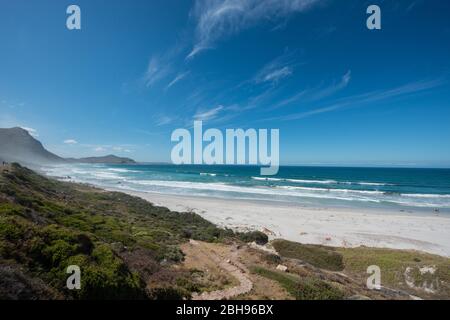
[330, 226]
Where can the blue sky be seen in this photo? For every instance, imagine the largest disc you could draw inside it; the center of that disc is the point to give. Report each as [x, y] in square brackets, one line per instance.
[339, 93]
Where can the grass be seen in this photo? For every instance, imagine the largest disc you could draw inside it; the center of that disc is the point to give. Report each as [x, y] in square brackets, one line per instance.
[302, 288]
[393, 264]
[318, 256]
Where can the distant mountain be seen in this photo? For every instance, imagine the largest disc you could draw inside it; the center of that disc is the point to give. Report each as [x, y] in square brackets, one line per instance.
[110, 159]
[17, 145]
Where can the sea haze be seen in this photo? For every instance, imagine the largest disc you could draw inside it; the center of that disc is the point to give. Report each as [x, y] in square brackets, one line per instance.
[389, 188]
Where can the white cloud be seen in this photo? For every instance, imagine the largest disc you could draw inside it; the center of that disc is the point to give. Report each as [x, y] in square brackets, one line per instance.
[333, 88]
[208, 114]
[318, 93]
[178, 78]
[161, 66]
[274, 71]
[70, 141]
[156, 71]
[31, 131]
[216, 19]
[163, 120]
[278, 74]
[366, 98]
[121, 149]
[99, 149]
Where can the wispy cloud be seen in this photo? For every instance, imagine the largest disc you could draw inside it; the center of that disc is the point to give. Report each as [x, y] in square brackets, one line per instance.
[177, 79]
[318, 93]
[163, 65]
[367, 98]
[210, 114]
[216, 19]
[277, 69]
[158, 69]
[163, 120]
[70, 141]
[335, 87]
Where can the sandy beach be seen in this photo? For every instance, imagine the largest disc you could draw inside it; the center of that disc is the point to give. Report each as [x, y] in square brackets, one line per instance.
[341, 227]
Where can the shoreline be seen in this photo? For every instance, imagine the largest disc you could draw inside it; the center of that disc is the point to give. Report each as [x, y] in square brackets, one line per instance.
[338, 227]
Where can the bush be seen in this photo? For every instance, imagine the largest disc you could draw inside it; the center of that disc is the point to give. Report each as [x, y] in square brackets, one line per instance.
[318, 256]
[272, 258]
[305, 288]
[10, 229]
[254, 236]
[315, 289]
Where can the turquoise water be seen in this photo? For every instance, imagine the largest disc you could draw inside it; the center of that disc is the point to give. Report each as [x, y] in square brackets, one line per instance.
[396, 188]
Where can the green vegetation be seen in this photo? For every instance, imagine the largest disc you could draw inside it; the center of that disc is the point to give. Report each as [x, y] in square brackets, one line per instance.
[124, 245]
[393, 265]
[128, 248]
[318, 256]
[302, 288]
[254, 236]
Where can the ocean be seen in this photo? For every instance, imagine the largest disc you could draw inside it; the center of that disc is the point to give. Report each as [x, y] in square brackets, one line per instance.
[387, 188]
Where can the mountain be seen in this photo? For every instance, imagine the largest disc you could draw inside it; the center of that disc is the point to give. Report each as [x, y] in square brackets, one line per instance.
[110, 159]
[17, 145]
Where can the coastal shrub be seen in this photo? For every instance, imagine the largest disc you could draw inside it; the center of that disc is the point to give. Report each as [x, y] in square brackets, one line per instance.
[11, 209]
[106, 282]
[173, 253]
[318, 256]
[310, 288]
[168, 293]
[254, 236]
[104, 276]
[47, 225]
[10, 229]
[272, 258]
[302, 288]
[58, 251]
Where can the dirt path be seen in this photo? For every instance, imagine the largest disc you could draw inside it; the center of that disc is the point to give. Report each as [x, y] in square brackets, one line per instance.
[231, 265]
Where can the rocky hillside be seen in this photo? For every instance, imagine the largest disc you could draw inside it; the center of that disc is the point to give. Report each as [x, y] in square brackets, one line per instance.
[16, 144]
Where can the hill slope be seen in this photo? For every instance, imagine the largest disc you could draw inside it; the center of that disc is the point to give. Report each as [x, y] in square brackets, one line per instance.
[18, 145]
[109, 159]
[121, 243]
